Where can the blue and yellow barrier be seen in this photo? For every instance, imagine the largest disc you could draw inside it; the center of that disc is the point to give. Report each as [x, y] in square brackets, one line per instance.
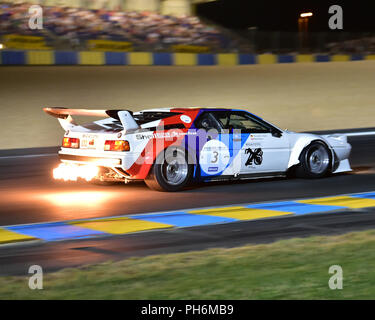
[50, 57]
[90, 228]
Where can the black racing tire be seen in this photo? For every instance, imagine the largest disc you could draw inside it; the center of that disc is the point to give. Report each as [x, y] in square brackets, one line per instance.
[315, 161]
[171, 172]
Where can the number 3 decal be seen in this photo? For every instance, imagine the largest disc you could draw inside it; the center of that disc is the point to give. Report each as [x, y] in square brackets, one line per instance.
[216, 157]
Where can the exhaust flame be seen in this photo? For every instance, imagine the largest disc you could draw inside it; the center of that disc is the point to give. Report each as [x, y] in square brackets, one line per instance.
[71, 172]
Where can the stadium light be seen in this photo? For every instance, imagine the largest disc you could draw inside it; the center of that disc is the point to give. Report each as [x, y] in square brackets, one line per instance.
[303, 28]
[1, 46]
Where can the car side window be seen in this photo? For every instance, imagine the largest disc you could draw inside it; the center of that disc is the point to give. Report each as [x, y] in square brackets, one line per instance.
[245, 123]
[207, 122]
[237, 120]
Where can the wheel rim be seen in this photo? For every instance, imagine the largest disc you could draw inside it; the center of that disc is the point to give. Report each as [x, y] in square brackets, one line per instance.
[318, 160]
[175, 168]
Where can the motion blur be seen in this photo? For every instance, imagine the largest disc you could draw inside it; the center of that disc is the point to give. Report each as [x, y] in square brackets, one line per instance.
[254, 120]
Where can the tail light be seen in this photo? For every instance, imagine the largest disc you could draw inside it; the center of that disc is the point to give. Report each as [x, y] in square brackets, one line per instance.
[116, 145]
[70, 143]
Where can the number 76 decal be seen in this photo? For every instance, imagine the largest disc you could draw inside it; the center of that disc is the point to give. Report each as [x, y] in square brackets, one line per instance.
[255, 156]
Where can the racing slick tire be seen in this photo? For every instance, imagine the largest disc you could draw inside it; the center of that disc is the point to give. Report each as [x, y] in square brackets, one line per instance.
[315, 161]
[172, 171]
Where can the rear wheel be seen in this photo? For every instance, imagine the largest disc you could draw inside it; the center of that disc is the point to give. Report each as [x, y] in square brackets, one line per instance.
[315, 161]
[171, 171]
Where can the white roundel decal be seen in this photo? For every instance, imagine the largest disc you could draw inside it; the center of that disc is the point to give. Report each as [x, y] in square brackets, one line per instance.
[185, 119]
[214, 157]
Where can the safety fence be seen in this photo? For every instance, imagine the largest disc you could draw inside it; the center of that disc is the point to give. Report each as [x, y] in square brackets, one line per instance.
[50, 57]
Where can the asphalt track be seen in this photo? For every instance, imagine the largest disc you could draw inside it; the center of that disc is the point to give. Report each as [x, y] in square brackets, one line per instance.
[52, 256]
[29, 195]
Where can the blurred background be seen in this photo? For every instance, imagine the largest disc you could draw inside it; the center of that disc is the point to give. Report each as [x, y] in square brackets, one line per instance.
[189, 26]
[227, 53]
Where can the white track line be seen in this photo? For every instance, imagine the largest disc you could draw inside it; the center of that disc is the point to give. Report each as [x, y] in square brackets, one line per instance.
[358, 134]
[30, 156]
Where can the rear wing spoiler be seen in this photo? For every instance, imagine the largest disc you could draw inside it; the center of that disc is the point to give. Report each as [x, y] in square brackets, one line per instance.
[65, 118]
[64, 113]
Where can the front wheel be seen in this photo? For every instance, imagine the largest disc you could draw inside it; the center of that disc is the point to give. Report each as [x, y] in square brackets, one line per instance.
[315, 161]
[171, 171]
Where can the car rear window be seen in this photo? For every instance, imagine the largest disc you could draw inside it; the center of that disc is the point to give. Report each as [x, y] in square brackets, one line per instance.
[145, 117]
[113, 125]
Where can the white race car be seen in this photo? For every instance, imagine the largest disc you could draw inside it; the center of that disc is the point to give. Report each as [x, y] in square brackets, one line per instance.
[170, 148]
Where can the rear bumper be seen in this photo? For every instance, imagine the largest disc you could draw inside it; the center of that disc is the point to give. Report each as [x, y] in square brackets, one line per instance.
[122, 162]
[100, 161]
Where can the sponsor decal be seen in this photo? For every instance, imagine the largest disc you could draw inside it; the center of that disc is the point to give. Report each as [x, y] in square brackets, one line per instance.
[109, 45]
[214, 157]
[88, 141]
[14, 41]
[162, 135]
[257, 137]
[144, 136]
[255, 156]
[190, 48]
[253, 145]
[185, 119]
[169, 134]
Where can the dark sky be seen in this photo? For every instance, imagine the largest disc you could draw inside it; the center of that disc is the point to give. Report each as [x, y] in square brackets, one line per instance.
[359, 15]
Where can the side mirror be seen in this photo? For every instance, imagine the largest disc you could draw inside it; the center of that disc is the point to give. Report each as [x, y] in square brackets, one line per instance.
[276, 134]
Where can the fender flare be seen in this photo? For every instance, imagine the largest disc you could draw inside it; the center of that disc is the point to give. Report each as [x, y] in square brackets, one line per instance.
[191, 155]
[296, 153]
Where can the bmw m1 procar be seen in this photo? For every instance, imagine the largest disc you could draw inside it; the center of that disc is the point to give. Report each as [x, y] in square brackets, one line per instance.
[171, 148]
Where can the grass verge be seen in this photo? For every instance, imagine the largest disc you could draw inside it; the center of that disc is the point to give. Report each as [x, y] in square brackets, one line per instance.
[288, 269]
